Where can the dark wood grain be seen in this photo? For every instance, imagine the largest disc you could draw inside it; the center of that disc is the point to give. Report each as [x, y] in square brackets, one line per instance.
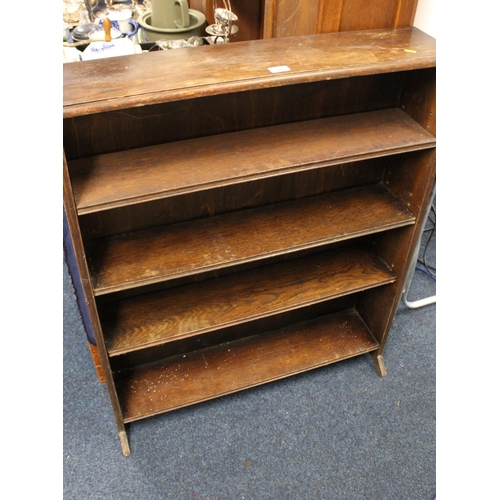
[412, 179]
[90, 135]
[295, 18]
[144, 174]
[230, 334]
[230, 198]
[220, 212]
[196, 308]
[362, 15]
[178, 250]
[209, 373]
[102, 366]
[419, 98]
[285, 18]
[181, 74]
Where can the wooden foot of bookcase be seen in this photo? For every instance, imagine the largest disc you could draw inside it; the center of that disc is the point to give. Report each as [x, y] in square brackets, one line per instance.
[379, 363]
[124, 443]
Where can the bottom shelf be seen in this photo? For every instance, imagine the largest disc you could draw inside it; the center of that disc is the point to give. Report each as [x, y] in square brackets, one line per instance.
[215, 371]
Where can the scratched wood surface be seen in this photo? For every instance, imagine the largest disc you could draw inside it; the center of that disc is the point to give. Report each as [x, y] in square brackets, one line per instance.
[284, 18]
[144, 174]
[230, 198]
[181, 74]
[184, 249]
[193, 309]
[250, 262]
[178, 381]
[94, 134]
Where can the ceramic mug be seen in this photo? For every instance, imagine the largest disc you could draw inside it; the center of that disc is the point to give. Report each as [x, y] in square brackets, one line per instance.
[170, 14]
[123, 16]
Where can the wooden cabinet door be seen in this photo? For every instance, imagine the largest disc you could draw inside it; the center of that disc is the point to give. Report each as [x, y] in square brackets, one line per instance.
[307, 17]
[281, 18]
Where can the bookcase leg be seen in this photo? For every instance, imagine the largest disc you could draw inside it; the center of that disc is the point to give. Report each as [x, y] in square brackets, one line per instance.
[379, 363]
[124, 443]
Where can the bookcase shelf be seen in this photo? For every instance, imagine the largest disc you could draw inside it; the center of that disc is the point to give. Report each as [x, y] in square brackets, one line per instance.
[133, 176]
[139, 258]
[204, 374]
[196, 308]
[234, 227]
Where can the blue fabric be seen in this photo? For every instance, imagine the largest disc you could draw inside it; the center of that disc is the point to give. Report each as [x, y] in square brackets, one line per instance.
[69, 255]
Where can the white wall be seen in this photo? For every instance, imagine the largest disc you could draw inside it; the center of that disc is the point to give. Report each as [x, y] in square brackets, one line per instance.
[425, 17]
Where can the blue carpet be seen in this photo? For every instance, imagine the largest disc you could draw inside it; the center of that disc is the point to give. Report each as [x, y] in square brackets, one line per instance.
[339, 432]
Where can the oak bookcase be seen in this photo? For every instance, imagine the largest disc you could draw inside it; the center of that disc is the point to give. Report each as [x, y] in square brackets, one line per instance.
[244, 212]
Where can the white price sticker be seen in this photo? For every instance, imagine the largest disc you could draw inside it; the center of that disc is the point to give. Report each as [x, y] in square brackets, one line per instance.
[279, 69]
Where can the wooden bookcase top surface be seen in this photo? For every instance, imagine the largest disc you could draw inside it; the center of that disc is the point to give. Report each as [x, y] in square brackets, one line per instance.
[163, 76]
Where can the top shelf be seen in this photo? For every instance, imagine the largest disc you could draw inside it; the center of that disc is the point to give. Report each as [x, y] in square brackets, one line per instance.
[241, 66]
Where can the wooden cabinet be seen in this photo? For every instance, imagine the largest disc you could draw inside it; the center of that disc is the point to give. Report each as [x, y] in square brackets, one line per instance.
[303, 17]
[282, 18]
[241, 213]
